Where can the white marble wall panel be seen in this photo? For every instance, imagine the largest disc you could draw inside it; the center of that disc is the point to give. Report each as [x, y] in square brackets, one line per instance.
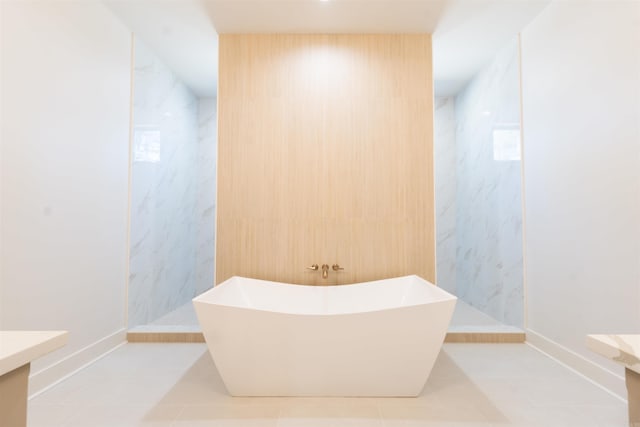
[445, 182]
[206, 204]
[489, 272]
[164, 197]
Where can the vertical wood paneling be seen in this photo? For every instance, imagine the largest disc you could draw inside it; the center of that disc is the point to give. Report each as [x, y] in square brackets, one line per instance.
[325, 156]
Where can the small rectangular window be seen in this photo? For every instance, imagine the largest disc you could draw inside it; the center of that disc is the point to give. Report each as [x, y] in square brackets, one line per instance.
[146, 145]
[506, 144]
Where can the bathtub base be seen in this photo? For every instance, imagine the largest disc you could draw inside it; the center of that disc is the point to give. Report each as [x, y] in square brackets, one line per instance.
[359, 355]
[375, 339]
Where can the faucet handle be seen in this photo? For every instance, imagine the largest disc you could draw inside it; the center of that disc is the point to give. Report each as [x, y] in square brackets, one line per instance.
[336, 267]
[313, 267]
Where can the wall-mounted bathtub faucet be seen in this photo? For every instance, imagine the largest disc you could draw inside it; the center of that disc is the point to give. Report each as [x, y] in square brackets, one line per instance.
[325, 271]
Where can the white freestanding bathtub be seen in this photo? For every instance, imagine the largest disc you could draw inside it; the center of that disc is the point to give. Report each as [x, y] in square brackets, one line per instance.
[369, 339]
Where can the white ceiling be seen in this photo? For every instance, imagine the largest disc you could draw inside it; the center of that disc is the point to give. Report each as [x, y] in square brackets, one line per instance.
[466, 33]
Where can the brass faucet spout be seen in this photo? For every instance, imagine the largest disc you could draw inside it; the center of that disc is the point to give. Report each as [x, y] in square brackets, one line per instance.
[325, 271]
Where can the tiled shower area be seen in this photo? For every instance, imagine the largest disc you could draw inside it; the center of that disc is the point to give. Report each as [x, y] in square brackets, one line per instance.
[172, 216]
[479, 197]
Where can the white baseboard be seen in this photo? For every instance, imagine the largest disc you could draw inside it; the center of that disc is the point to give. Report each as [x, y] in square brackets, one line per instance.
[48, 377]
[614, 384]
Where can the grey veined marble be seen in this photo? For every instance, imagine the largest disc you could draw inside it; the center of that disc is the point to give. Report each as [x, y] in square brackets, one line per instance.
[444, 152]
[172, 191]
[478, 191]
[206, 189]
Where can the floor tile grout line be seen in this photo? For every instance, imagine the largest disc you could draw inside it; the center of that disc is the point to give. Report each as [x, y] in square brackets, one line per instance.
[467, 363]
[576, 372]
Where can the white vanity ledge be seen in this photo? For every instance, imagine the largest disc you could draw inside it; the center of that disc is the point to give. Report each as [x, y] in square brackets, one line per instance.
[18, 348]
[624, 349]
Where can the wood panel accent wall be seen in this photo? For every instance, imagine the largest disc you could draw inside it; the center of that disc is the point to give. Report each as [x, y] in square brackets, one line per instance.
[325, 155]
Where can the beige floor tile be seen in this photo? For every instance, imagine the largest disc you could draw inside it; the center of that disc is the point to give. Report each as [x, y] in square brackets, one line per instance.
[458, 412]
[332, 412]
[508, 361]
[607, 415]
[49, 415]
[471, 385]
[428, 423]
[125, 416]
[528, 415]
[228, 416]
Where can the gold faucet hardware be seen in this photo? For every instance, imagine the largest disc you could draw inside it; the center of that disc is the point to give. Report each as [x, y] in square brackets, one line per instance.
[313, 267]
[336, 267]
[325, 271]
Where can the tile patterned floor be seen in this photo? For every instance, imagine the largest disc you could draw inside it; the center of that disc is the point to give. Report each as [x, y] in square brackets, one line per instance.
[171, 385]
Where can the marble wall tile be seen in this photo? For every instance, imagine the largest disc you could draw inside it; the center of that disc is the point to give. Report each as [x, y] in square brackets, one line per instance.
[444, 149]
[164, 192]
[489, 273]
[206, 188]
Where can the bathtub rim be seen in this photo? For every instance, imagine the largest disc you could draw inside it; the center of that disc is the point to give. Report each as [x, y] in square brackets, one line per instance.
[443, 296]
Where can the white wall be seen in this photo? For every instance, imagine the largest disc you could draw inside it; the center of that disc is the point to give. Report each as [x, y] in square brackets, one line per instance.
[581, 119]
[65, 91]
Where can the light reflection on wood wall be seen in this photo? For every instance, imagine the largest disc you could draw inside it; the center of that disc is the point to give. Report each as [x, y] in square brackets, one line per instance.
[325, 156]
